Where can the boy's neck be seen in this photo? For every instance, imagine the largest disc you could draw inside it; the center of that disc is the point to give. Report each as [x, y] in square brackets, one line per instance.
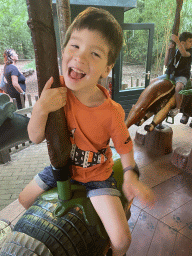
[90, 98]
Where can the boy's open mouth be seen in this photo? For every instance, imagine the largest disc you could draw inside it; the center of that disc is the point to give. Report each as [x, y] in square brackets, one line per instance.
[76, 73]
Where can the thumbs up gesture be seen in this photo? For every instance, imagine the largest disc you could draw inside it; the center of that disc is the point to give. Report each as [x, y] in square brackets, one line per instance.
[52, 99]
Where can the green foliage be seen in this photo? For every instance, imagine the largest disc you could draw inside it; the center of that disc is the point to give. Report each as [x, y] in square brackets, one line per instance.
[14, 31]
[162, 14]
[187, 89]
[131, 53]
[30, 65]
[186, 92]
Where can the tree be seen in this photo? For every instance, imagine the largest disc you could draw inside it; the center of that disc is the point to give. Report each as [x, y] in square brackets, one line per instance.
[14, 31]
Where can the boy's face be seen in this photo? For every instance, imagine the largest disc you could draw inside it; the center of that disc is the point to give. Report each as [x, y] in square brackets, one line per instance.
[188, 43]
[85, 59]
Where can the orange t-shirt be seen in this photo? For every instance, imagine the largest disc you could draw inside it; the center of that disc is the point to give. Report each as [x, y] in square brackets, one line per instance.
[91, 129]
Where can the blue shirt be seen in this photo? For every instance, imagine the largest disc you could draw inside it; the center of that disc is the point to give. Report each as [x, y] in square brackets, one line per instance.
[11, 70]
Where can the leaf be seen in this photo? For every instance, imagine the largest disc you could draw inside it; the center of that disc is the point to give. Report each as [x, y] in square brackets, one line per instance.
[186, 92]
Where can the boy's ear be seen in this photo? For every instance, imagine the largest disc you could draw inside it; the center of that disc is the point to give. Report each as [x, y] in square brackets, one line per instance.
[107, 71]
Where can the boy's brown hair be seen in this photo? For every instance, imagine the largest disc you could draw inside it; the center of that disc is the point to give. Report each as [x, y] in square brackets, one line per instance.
[184, 36]
[100, 20]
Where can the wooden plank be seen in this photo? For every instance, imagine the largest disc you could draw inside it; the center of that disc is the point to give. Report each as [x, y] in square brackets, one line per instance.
[163, 240]
[170, 203]
[12, 211]
[29, 99]
[135, 212]
[142, 235]
[183, 246]
[187, 231]
[22, 97]
[179, 218]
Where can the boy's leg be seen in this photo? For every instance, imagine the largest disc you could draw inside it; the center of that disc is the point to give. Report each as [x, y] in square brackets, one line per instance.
[184, 119]
[190, 124]
[179, 97]
[29, 194]
[42, 181]
[112, 215]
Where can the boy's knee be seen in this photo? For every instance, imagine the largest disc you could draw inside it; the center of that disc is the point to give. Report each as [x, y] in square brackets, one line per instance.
[126, 241]
[179, 87]
[25, 203]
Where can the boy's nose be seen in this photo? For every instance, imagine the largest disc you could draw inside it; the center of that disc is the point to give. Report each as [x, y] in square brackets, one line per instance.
[80, 57]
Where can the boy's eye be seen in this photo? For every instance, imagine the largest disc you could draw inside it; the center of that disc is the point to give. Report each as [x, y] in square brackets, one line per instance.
[75, 46]
[96, 54]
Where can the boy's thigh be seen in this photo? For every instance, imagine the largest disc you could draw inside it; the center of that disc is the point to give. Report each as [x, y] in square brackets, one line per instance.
[105, 187]
[29, 194]
[161, 77]
[111, 212]
[45, 179]
[181, 80]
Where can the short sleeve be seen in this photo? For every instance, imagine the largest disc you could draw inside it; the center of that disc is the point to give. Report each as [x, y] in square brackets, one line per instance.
[14, 71]
[119, 132]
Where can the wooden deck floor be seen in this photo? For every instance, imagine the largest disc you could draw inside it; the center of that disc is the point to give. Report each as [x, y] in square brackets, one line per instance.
[165, 229]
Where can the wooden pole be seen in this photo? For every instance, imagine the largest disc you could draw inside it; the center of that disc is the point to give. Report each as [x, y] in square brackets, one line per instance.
[43, 36]
[64, 19]
[175, 29]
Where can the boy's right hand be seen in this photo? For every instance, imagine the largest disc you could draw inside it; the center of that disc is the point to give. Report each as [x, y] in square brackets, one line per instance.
[52, 99]
[175, 38]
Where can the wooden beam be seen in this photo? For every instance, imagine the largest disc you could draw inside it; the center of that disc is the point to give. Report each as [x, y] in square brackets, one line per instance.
[43, 36]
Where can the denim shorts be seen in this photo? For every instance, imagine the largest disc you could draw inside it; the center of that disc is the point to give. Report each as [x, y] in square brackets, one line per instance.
[46, 181]
[177, 79]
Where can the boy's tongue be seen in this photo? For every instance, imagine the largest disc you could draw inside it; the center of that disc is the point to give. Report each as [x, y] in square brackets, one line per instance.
[76, 75]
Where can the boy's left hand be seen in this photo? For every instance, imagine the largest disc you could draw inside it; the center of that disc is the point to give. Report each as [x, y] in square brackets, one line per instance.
[132, 187]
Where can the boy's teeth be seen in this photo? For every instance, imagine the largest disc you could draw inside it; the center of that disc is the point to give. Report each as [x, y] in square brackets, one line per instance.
[78, 71]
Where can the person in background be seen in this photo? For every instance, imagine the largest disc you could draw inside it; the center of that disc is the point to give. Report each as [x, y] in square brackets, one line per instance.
[186, 107]
[180, 66]
[15, 80]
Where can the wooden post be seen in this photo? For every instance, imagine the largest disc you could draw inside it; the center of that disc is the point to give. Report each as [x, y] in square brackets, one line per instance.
[131, 81]
[137, 82]
[175, 29]
[22, 97]
[29, 99]
[64, 18]
[42, 29]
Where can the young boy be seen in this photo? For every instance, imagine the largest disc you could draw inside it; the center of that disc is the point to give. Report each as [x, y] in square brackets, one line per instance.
[92, 45]
[180, 66]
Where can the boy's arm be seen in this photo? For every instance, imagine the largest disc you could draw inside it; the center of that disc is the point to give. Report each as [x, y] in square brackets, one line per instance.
[37, 123]
[51, 100]
[132, 187]
[181, 48]
[128, 160]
